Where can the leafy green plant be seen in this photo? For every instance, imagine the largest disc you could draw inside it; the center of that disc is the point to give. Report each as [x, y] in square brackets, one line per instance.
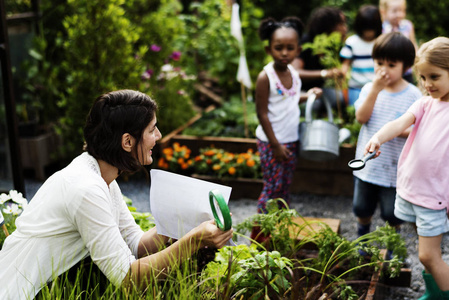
[227, 120]
[338, 264]
[327, 47]
[248, 273]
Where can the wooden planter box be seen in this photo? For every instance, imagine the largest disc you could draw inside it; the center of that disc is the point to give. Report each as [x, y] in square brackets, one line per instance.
[320, 178]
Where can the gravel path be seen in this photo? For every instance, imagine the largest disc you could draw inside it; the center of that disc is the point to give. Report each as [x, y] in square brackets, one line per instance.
[306, 205]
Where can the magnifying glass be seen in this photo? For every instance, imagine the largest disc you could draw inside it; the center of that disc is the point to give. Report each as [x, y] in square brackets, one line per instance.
[358, 164]
[220, 210]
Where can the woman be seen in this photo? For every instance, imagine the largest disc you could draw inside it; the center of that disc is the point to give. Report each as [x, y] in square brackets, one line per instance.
[79, 211]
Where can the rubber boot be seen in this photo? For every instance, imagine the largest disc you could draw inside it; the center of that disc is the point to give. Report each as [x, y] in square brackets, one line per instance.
[432, 290]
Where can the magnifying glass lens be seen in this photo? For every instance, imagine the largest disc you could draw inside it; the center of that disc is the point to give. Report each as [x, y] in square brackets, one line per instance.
[357, 164]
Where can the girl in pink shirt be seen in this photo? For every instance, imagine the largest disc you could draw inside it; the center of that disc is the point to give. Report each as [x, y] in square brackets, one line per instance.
[423, 171]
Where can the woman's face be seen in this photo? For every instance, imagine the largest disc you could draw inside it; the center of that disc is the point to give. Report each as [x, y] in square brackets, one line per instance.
[150, 136]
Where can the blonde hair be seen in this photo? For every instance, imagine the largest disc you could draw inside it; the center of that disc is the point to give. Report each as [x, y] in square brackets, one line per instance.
[383, 4]
[434, 52]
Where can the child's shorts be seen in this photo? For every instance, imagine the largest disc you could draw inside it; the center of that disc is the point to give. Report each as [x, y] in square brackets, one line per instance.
[429, 222]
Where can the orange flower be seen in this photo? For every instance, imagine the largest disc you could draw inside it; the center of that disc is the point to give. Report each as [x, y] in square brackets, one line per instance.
[250, 151]
[250, 162]
[161, 162]
[209, 152]
[169, 157]
[232, 170]
[186, 155]
[240, 160]
[219, 155]
[198, 158]
[176, 146]
[208, 161]
[184, 166]
[180, 160]
[168, 151]
[216, 167]
[190, 162]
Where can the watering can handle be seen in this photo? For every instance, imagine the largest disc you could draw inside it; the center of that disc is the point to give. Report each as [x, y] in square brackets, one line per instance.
[309, 106]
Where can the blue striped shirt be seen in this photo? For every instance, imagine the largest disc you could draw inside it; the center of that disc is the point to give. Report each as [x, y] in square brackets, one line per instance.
[382, 171]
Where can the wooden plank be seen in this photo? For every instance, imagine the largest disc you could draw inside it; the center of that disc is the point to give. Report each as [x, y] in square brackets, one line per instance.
[208, 93]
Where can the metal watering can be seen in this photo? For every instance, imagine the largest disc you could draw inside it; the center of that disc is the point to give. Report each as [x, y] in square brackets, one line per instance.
[319, 138]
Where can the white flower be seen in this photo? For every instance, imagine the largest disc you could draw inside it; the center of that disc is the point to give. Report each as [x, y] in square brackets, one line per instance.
[12, 209]
[17, 197]
[4, 197]
[167, 68]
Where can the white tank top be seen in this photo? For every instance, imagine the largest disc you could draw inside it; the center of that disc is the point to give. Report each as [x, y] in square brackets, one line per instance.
[283, 107]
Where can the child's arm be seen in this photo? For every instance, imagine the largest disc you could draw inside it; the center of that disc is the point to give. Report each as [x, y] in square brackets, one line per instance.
[389, 131]
[262, 93]
[345, 66]
[363, 113]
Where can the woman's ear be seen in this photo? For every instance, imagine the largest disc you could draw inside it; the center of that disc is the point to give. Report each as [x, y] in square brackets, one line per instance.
[127, 142]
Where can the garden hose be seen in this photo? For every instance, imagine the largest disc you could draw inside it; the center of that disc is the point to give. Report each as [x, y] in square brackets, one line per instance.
[216, 200]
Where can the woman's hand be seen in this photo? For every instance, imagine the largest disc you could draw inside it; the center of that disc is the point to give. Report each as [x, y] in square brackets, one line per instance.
[208, 234]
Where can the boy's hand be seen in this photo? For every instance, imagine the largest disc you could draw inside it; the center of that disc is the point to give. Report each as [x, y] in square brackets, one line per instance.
[381, 80]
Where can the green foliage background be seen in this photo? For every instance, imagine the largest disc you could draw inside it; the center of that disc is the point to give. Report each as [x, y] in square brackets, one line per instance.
[86, 48]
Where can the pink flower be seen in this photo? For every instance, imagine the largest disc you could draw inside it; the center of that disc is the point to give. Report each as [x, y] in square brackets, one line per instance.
[155, 48]
[147, 74]
[176, 55]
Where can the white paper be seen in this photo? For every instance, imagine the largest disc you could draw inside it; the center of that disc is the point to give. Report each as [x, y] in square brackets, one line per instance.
[180, 203]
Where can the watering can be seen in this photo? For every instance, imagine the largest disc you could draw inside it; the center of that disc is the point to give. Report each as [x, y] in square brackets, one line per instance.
[319, 138]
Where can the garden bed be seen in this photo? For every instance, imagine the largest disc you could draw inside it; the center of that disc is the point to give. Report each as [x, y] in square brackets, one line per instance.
[321, 178]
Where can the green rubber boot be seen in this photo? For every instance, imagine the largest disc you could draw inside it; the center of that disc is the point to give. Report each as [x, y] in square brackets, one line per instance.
[433, 292]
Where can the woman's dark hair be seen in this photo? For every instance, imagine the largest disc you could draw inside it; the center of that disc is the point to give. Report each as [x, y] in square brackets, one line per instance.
[324, 20]
[394, 46]
[269, 26]
[368, 18]
[112, 115]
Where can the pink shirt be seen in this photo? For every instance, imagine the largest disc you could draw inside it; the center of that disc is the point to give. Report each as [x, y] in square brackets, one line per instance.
[423, 168]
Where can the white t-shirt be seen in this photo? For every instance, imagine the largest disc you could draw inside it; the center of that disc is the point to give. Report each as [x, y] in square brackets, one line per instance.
[283, 108]
[73, 215]
[362, 66]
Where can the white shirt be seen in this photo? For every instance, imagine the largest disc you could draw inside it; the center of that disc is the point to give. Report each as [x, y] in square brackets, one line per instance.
[73, 215]
[362, 65]
[283, 108]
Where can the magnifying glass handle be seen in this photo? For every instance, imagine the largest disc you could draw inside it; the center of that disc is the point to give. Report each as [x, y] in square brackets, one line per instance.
[369, 156]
